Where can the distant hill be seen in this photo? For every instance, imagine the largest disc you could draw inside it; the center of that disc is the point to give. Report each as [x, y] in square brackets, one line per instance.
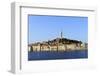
[58, 40]
[64, 41]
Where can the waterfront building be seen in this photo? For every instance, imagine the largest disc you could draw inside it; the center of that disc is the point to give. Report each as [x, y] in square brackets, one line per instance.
[58, 44]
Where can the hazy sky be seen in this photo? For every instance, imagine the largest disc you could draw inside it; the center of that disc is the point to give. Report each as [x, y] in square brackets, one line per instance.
[43, 28]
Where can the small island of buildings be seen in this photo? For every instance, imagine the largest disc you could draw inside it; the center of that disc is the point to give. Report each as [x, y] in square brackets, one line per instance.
[58, 44]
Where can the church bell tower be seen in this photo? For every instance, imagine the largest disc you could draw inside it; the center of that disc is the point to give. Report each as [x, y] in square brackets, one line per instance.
[61, 34]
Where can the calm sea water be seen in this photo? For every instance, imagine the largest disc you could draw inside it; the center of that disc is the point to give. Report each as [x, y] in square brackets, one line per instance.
[47, 55]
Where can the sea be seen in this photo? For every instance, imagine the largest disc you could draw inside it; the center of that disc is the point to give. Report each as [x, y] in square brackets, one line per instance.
[53, 55]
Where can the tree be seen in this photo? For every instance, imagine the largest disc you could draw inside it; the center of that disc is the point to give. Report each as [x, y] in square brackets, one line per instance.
[31, 49]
